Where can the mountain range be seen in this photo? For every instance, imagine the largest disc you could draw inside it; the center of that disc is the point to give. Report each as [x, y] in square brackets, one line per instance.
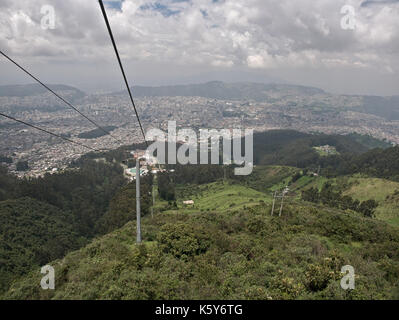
[34, 89]
[223, 91]
[384, 107]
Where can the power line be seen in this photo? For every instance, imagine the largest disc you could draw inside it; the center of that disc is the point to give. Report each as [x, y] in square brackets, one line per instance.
[59, 97]
[120, 65]
[49, 132]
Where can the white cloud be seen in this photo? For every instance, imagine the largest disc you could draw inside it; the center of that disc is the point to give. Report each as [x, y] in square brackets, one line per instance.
[256, 61]
[202, 33]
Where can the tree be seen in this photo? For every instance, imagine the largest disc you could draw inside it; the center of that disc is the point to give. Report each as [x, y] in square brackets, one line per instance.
[367, 208]
[166, 188]
[4, 159]
[22, 166]
[311, 195]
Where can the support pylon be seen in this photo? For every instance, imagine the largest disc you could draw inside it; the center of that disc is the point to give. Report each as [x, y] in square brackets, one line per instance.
[138, 207]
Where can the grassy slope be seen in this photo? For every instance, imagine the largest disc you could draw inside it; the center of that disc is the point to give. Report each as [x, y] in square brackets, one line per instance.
[224, 196]
[322, 153]
[217, 196]
[380, 190]
[371, 188]
[268, 178]
[361, 188]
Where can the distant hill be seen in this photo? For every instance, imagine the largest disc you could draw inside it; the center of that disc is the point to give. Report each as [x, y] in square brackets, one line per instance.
[356, 153]
[36, 89]
[380, 163]
[222, 90]
[369, 141]
[293, 148]
[385, 107]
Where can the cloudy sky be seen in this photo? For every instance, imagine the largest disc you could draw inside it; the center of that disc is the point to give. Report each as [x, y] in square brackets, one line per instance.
[306, 42]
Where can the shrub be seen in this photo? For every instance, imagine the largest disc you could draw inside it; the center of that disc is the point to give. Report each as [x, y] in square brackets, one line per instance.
[183, 240]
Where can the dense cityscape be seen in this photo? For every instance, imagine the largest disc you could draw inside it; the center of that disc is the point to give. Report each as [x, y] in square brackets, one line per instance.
[284, 108]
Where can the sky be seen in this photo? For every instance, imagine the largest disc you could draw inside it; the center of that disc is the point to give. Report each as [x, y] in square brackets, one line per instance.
[323, 43]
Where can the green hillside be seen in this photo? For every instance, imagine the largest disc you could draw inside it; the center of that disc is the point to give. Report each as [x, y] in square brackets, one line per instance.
[370, 141]
[238, 254]
[267, 178]
[222, 197]
[385, 192]
[362, 188]
[224, 244]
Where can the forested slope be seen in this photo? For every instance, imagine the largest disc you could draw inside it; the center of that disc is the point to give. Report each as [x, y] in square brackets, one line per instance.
[32, 234]
[233, 254]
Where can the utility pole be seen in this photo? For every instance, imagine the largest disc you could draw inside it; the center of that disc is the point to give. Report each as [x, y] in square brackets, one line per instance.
[153, 200]
[282, 200]
[138, 209]
[274, 201]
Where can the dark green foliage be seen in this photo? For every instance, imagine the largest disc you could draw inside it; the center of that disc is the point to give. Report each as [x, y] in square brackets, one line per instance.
[166, 187]
[296, 176]
[182, 241]
[334, 198]
[237, 255]
[22, 166]
[292, 148]
[121, 154]
[96, 133]
[368, 207]
[198, 174]
[380, 163]
[4, 159]
[32, 234]
[131, 163]
[370, 142]
[8, 184]
[311, 195]
[122, 207]
[85, 192]
[263, 178]
[68, 205]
